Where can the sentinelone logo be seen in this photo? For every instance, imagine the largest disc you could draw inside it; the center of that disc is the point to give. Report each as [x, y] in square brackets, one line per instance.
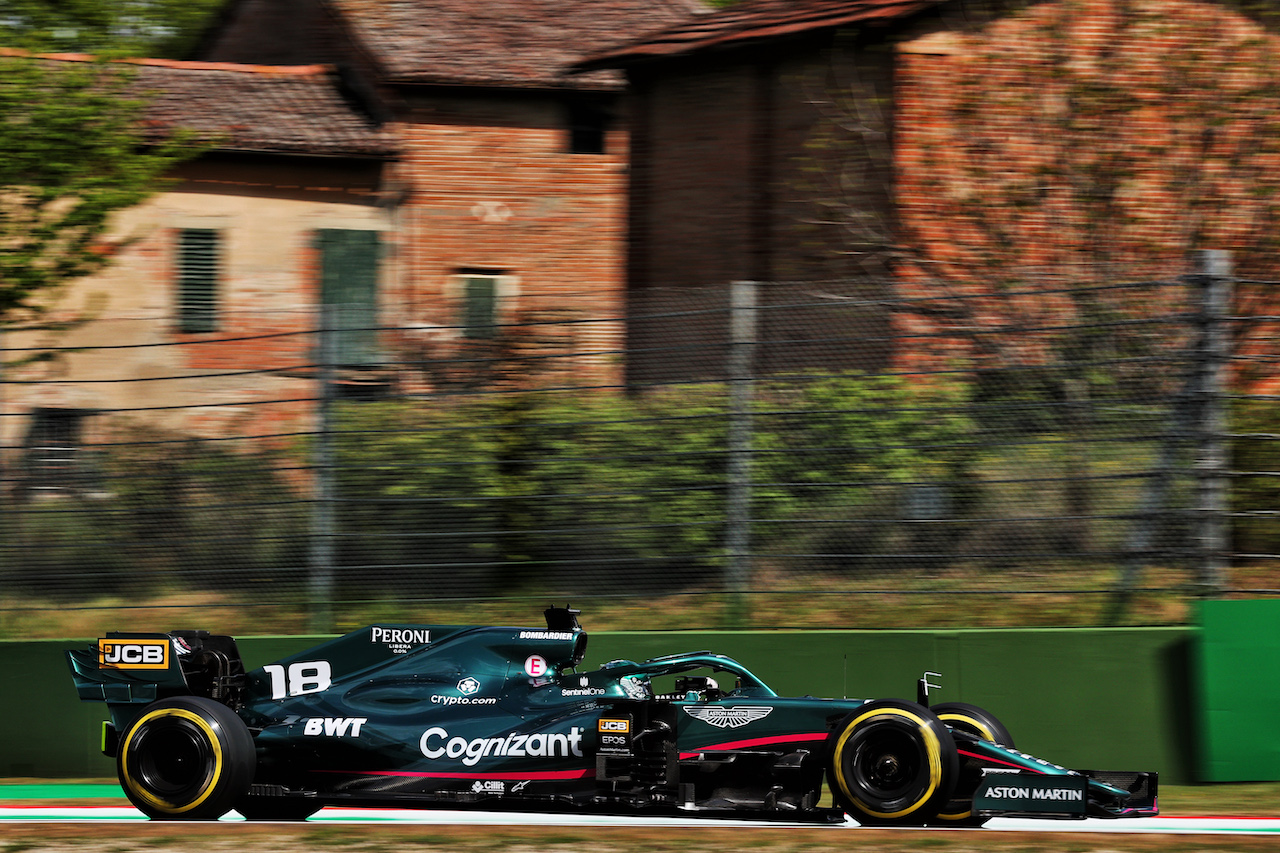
[436, 743]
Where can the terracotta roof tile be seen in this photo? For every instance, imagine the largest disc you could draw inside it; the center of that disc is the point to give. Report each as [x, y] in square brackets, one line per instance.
[290, 109]
[753, 20]
[509, 43]
[285, 109]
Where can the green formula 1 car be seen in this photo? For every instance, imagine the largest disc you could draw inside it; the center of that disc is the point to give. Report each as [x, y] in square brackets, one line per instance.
[503, 718]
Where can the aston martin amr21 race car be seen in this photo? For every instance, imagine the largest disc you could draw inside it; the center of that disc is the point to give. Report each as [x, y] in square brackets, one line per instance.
[503, 718]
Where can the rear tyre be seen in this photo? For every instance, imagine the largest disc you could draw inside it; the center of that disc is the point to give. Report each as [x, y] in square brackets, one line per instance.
[892, 763]
[980, 723]
[186, 758]
[276, 808]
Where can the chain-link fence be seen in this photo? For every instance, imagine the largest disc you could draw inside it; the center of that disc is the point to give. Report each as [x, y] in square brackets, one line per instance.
[842, 454]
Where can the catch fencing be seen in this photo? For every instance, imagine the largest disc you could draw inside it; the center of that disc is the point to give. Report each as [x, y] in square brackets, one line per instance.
[1063, 450]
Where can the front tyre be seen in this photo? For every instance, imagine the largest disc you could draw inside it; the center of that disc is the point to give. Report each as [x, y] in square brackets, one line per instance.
[979, 723]
[892, 763]
[186, 758]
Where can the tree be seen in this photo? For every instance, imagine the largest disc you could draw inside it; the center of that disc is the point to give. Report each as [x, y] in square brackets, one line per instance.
[73, 150]
[154, 28]
[1100, 140]
[1045, 156]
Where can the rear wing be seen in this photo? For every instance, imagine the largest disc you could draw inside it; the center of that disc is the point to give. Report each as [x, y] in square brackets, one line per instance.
[137, 669]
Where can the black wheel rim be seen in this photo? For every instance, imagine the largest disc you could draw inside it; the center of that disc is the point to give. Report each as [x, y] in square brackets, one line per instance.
[172, 759]
[885, 763]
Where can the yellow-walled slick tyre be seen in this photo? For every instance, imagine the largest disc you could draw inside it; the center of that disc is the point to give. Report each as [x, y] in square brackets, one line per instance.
[980, 723]
[186, 758]
[892, 763]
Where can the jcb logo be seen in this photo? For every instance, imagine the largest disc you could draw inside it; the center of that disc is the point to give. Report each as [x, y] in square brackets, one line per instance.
[137, 654]
[623, 726]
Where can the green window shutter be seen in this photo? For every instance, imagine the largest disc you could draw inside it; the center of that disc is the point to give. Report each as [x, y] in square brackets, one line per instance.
[199, 269]
[349, 290]
[480, 307]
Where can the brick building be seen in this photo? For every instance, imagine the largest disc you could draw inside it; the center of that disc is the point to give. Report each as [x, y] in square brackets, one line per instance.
[512, 180]
[213, 289]
[923, 147]
[426, 169]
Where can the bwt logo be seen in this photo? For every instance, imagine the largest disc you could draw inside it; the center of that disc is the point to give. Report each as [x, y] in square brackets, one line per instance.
[334, 726]
[138, 654]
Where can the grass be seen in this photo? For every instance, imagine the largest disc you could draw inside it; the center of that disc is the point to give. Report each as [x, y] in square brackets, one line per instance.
[1067, 596]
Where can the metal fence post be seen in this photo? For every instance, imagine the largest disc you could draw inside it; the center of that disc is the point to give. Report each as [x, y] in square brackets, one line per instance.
[322, 514]
[1212, 452]
[742, 340]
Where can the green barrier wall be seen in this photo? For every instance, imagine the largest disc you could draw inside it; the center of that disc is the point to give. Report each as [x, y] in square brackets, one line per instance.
[1238, 664]
[1091, 699]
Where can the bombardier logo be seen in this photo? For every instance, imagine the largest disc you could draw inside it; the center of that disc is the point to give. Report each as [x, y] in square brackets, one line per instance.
[728, 718]
[133, 654]
[436, 743]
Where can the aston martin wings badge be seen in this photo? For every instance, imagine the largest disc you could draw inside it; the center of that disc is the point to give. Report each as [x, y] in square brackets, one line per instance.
[728, 718]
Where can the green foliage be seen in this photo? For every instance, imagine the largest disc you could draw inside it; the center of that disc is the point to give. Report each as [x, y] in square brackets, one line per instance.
[635, 485]
[841, 455]
[1255, 456]
[523, 493]
[164, 514]
[835, 439]
[419, 486]
[223, 515]
[612, 493]
[158, 28]
[72, 153]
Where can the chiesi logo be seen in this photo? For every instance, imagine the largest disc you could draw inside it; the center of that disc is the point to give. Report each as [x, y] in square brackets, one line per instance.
[400, 640]
[133, 654]
[728, 718]
[436, 743]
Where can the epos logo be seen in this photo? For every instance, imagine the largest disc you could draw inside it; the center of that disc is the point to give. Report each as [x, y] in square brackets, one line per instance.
[623, 726]
[134, 654]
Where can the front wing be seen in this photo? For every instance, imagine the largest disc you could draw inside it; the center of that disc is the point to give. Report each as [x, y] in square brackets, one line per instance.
[1091, 793]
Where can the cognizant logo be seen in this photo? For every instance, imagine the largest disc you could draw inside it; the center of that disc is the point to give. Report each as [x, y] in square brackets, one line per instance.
[436, 743]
